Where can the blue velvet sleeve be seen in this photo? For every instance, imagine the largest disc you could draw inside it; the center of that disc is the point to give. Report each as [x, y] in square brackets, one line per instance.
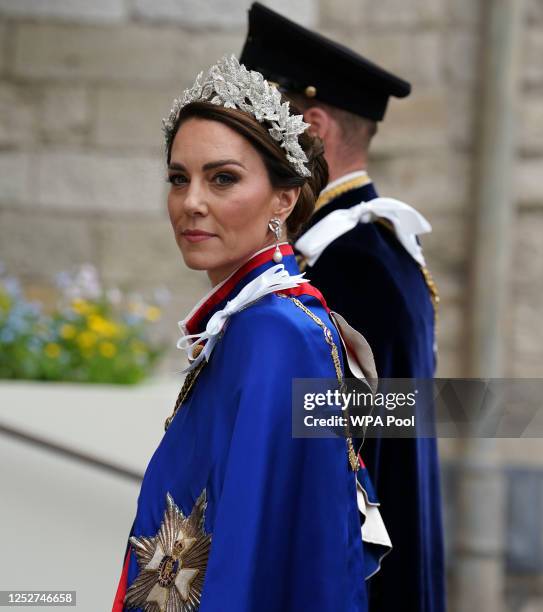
[286, 534]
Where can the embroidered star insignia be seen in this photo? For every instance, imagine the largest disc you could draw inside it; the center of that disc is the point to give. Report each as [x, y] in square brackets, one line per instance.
[172, 564]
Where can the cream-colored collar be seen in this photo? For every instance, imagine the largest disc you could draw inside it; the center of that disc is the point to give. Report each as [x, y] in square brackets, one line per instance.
[343, 179]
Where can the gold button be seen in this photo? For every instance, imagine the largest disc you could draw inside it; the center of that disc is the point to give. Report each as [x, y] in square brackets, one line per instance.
[310, 91]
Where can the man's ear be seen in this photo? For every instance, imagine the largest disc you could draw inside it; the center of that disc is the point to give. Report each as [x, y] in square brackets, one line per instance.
[285, 201]
[320, 121]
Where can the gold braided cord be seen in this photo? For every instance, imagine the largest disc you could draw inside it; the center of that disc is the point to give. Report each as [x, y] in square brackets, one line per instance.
[334, 192]
[191, 377]
[185, 390]
[353, 457]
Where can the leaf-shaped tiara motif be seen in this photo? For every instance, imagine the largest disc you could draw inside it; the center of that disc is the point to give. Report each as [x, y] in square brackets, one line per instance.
[228, 83]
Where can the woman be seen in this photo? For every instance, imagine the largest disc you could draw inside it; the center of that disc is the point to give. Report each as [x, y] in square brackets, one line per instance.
[234, 514]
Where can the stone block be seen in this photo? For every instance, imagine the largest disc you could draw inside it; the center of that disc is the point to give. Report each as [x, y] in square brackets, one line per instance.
[418, 122]
[534, 11]
[526, 291]
[65, 114]
[219, 13]
[416, 58]
[16, 178]
[532, 52]
[140, 253]
[529, 188]
[18, 115]
[432, 183]
[386, 14]
[36, 245]
[528, 251]
[128, 53]
[461, 117]
[131, 117]
[531, 124]
[461, 53]
[464, 12]
[446, 248]
[76, 180]
[449, 362]
[4, 46]
[69, 10]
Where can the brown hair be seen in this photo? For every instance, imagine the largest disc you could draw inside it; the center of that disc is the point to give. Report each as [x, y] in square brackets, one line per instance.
[280, 171]
[356, 132]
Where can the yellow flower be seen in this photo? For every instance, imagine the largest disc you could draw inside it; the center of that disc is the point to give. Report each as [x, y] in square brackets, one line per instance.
[152, 313]
[108, 349]
[82, 307]
[86, 339]
[102, 326]
[52, 350]
[68, 331]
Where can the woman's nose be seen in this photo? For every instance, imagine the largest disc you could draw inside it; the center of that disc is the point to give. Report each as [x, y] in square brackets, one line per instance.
[195, 198]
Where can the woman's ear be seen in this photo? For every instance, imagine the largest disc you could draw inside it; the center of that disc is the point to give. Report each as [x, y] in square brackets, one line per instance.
[285, 201]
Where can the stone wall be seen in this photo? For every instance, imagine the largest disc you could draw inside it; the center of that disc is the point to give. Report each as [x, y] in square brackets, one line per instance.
[83, 87]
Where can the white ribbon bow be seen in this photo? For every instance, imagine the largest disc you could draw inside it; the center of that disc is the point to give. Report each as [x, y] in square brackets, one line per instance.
[273, 279]
[407, 222]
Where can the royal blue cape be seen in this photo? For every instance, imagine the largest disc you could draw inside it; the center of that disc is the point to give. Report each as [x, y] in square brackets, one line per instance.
[282, 512]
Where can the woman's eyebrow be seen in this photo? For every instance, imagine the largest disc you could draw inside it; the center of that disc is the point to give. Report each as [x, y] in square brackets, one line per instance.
[221, 162]
[176, 166]
[209, 165]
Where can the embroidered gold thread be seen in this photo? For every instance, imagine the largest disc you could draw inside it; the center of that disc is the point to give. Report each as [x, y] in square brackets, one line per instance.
[172, 563]
[340, 189]
[353, 457]
[188, 383]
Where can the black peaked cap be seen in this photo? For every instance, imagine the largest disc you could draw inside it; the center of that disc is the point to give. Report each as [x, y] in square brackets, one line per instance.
[302, 61]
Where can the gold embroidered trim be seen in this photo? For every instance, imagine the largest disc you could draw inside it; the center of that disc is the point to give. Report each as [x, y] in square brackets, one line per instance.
[188, 383]
[340, 189]
[353, 457]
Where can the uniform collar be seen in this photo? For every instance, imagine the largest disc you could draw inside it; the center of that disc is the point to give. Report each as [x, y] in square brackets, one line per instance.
[346, 178]
[217, 298]
[345, 183]
[345, 198]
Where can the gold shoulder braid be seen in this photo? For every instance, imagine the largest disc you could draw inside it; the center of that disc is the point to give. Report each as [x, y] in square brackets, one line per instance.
[353, 457]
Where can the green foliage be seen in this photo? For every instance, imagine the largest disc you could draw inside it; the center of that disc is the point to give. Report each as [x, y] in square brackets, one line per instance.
[91, 336]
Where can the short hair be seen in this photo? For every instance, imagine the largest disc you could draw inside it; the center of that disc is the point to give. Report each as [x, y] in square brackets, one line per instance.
[357, 132]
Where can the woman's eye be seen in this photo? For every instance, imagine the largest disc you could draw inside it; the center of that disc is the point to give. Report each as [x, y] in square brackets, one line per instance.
[224, 178]
[177, 179]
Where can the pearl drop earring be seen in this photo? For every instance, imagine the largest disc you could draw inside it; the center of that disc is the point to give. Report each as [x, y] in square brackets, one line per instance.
[275, 226]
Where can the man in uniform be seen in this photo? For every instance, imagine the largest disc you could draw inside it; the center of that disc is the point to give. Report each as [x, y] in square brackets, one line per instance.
[364, 255]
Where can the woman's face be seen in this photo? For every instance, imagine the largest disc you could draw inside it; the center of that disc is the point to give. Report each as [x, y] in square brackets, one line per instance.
[221, 199]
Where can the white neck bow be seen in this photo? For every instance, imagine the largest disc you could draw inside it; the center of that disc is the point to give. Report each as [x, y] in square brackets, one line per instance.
[273, 279]
[407, 222]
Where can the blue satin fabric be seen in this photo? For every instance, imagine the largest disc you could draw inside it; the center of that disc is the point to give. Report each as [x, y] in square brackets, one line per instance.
[367, 276]
[282, 512]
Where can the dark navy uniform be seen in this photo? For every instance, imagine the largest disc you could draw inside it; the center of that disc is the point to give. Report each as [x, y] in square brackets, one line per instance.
[369, 275]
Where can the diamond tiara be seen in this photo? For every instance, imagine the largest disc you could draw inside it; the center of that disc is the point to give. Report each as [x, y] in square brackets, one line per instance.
[228, 83]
